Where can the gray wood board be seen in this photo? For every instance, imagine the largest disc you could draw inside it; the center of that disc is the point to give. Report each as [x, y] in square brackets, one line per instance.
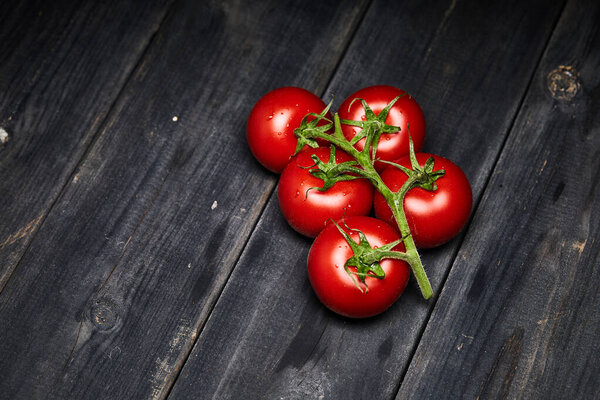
[520, 311]
[268, 336]
[62, 65]
[109, 297]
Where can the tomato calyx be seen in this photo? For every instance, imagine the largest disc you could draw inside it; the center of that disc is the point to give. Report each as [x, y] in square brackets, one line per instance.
[366, 258]
[307, 132]
[331, 172]
[421, 176]
[373, 125]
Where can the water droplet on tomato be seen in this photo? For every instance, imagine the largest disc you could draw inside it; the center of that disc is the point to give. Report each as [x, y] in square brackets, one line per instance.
[337, 266]
[288, 125]
[364, 117]
[297, 193]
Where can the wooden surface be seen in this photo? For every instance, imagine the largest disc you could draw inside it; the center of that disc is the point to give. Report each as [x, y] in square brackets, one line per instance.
[142, 251]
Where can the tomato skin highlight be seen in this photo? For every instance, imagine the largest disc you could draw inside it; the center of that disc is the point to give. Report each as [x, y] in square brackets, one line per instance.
[332, 284]
[404, 113]
[434, 217]
[309, 212]
[271, 124]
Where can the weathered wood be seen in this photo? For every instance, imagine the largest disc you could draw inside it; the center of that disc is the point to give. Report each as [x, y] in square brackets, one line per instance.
[109, 297]
[62, 65]
[519, 314]
[268, 336]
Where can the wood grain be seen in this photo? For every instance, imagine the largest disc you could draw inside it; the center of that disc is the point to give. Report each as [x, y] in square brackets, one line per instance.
[109, 297]
[62, 65]
[268, 336]
[521, 308]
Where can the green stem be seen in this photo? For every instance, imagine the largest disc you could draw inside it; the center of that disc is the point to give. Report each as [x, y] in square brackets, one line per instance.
[395, 201]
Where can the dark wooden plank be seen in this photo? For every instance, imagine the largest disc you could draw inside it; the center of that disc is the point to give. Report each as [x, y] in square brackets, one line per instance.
[269, 337]
[519, 314]
[108, 300]
[62, 65]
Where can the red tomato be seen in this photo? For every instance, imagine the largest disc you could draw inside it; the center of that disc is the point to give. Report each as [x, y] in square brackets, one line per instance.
[405, 113]
[271, 124]
[308, 212]
[433, 217]
[332, 284]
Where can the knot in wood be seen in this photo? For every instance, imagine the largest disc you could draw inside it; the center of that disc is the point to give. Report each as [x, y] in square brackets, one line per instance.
[103, 314]
[563, 83]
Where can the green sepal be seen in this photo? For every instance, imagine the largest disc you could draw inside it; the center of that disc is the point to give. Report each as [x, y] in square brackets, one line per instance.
[366, 259]
[308, 131]
[422, 176]
[407, 171]
[432, 176]
[372, 127]
[331, 172]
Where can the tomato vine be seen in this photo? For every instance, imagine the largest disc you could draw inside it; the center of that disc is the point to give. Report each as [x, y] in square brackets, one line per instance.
[331, 164]
[417, 176]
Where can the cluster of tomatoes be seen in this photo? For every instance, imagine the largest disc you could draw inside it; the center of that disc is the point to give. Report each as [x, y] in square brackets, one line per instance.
[358, 264]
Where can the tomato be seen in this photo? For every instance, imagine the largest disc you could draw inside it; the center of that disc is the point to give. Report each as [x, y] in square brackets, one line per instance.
[336, 288]
[434, 217]
[405, 113]
[271, 124]
[307, 211]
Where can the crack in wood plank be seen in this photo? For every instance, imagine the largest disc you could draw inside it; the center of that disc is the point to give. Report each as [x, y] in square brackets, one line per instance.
[22, 233]
[509, 353]
[162, 378]
[440, 29]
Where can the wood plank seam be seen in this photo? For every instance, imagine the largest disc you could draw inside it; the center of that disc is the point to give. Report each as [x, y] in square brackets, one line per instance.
[477, 201]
